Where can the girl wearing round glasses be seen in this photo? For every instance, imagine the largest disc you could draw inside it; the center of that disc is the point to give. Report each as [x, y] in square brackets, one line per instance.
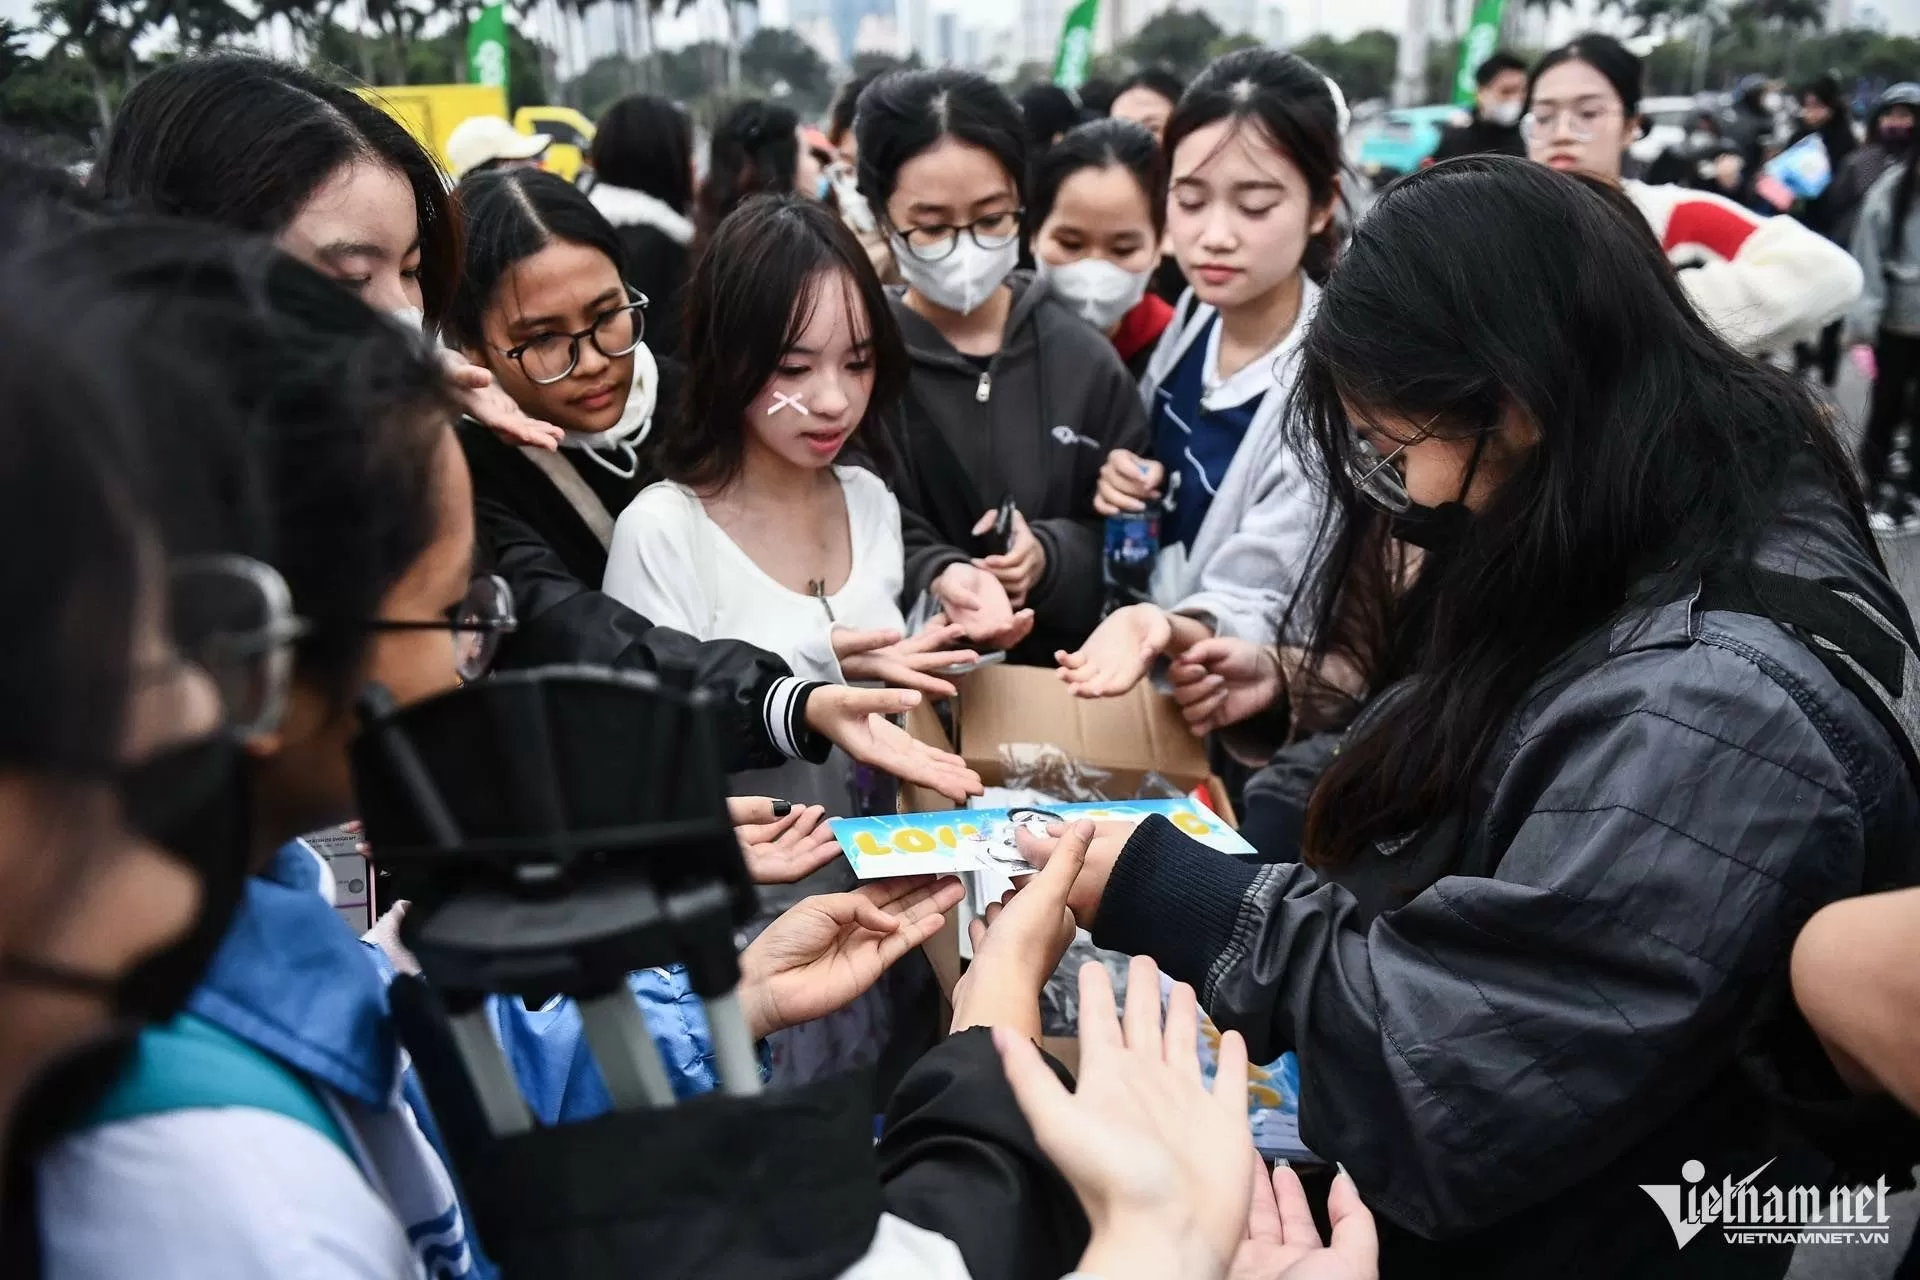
[1012, 397]
[275, 1122]
[1761, 282]
[542, 305]
[1530, 931]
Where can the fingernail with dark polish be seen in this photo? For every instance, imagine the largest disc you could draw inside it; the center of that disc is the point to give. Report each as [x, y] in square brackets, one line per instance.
[781, 808]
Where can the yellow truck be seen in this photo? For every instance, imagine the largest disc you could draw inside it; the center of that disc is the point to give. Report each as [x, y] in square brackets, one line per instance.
[430, 111]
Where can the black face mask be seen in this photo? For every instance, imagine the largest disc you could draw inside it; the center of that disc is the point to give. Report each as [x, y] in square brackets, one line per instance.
[194, 801]
[1431, 528]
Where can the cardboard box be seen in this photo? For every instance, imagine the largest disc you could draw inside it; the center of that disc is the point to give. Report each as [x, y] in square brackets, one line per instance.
[1131, 736]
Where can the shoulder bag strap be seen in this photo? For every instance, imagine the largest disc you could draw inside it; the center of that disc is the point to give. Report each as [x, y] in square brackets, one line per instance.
[585, 502]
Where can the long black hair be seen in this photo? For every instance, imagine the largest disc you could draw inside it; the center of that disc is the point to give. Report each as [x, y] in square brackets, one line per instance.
[1100, 144]
[512, 214]
[755, 151]
[1482, 293]
[645, 143]
[245, 142]
[1287, 99]
[272, 396]
[751, 296]
[905, 113]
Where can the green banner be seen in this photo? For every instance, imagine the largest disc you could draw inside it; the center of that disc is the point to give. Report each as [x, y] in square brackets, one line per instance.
[487, 47]
[1076, 46]
[1482, 38]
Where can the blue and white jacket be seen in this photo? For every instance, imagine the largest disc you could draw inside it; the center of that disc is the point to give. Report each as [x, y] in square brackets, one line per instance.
[218, 1191]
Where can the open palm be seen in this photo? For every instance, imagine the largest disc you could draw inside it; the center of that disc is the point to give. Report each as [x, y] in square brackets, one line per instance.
[824, 952]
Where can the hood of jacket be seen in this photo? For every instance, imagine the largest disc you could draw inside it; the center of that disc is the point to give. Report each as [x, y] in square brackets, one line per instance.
[625, 207]
[1023, 332]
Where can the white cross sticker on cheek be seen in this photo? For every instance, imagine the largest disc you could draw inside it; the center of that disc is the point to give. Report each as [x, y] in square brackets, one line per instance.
[781, 400]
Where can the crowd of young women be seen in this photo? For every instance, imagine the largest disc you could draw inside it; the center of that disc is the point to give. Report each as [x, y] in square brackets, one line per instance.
[1581, 680]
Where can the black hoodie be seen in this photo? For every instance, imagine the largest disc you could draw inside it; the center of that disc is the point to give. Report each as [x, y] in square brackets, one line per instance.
[1035, 425]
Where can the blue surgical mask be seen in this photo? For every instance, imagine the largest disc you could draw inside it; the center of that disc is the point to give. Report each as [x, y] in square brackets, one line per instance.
[821, 185]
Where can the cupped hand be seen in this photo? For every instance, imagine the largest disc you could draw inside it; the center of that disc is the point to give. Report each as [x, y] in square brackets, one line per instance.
[977, 602]
[785, 848]
[1223, 681]
[1020, 566]
[1159, 1160]
[494, 409]
[1126, 481]
[1118, 654]
[1019, 944]
[855, 720]
[882, 657]
[1283, 1242]
[822, 953]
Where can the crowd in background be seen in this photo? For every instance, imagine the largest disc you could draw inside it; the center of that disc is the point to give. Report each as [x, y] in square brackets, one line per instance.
[1527, 598]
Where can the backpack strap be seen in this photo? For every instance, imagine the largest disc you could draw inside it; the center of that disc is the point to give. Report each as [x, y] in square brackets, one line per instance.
[190, 1063]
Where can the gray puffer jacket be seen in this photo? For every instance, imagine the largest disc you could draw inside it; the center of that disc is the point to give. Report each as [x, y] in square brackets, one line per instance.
[1502, 1052]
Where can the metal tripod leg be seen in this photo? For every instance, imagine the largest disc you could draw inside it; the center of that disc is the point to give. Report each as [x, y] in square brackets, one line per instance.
[733, 1046]
[622, 1046]
[493, 1083]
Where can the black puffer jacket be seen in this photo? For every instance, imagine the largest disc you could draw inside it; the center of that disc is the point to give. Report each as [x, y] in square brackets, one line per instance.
[1502, 1056]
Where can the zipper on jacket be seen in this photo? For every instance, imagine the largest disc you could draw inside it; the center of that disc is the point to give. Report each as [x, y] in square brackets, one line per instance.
[985, 389]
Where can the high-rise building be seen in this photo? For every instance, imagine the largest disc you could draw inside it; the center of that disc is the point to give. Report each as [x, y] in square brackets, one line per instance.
[843, 18]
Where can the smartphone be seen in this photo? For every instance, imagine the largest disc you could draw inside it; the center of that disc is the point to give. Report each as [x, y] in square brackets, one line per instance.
[998, 539]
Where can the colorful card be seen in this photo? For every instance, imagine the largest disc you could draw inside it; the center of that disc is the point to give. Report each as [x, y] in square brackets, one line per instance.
[955, 840]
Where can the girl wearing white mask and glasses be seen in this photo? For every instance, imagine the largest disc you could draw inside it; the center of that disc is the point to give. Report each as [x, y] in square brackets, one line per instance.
[1011, 396]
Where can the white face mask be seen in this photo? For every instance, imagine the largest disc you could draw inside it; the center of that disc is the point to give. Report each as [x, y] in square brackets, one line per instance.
[412, 317]
[1100, 292]
[1505, 114]
[963, 279]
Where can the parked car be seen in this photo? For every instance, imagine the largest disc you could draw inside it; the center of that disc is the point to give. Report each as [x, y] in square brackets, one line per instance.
[1396, 142]
[1668, 120]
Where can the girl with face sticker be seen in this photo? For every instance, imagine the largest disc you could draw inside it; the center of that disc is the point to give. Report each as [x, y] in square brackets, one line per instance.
[286, 1053]
[1254, 165]
[265, 147]
[764, 531]
[1012, 396]
[1762, 282]
[542, 304]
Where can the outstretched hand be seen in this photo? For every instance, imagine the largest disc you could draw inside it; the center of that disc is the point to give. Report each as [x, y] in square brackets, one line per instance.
[855, 720]
[494, 409]
[882, 657]
[824, 952]
[1283, 1242]
[1118, 654]
[780, 848]
[1159, 1160]
[977, 602]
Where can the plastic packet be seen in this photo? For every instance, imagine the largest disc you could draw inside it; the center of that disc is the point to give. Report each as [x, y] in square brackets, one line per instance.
[1049, 770]
[1155, 786]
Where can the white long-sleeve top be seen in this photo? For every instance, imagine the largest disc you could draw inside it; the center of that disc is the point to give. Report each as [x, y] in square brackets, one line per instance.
[672, 563]
[1760, 282]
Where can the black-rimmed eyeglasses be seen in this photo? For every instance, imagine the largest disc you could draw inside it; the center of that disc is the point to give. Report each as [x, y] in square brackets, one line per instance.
[550, 357]
[936, 242]
[483, 615]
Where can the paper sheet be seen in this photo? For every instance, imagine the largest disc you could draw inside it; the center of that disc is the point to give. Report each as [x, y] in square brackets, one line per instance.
[952, 841]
